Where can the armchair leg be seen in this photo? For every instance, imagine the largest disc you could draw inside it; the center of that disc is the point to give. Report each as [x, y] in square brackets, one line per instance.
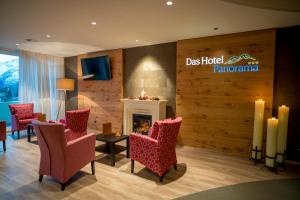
[175, 166]
[18, 135]
[41, 177]
[4, 145]
[132, 166]
[63, 186]
[161, 178]
[12, 133]
[93, 167]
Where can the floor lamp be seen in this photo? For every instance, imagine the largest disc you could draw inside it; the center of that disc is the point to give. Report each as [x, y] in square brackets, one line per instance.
[65, 85]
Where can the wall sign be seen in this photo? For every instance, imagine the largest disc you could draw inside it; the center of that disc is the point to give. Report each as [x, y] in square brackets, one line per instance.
[219, 66]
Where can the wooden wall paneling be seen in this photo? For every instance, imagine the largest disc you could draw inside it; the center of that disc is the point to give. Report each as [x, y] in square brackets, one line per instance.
[218, 108]
[103, 97]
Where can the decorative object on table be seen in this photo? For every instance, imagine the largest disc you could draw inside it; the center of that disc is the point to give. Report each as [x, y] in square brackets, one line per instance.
[143, 98]
[132, 97]
[157, 154]
[42, 117]
[283, 118]
[154, 98]
[258, 130]
[271, 156]
[59, 158]
[143, 95]
[64, 85]
[117, 132]
[107, 128]
[3, 134]
[21, 115]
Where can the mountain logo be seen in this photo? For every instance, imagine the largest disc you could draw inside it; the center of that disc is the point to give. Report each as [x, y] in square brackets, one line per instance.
[231, 64]
[244, 56]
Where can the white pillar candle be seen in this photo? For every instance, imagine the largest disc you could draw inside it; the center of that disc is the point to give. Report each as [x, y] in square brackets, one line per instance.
[272, 129]
[143, 93]
[258, 127]
[283, 118]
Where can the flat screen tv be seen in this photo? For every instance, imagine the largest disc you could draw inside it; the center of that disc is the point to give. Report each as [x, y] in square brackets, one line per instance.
[97, 68]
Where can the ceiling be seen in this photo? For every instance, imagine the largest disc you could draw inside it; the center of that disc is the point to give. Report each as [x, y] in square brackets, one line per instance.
[121, 22]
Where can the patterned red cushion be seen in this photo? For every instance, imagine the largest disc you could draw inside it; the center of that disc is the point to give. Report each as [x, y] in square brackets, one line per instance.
[25, 121]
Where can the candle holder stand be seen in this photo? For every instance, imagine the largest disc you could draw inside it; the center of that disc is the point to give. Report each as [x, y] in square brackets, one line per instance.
[282, 165]
[255, 159]
[275, 168]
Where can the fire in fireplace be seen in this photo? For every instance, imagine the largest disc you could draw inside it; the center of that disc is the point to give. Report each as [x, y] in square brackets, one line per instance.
[141, 123]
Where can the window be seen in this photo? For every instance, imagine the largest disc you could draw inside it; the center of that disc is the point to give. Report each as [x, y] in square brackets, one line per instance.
[9, 82]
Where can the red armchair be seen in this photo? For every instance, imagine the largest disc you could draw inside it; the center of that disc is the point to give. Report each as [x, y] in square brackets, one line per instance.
[3, 133]
[59, 158]
[76, 123]
[156, 152]
[21, 115]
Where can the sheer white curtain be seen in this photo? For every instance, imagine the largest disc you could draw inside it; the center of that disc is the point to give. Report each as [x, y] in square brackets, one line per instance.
[37, 82]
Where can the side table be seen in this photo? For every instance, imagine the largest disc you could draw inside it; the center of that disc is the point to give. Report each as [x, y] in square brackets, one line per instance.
[110, 147]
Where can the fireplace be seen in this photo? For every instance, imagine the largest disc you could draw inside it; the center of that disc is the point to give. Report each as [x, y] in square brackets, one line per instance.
[140, 114]
[141, 123]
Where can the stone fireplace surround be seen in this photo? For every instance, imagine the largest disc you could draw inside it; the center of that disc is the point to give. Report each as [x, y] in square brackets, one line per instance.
[157, 109]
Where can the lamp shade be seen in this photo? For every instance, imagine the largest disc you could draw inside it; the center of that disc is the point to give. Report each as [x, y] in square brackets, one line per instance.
[65, 84]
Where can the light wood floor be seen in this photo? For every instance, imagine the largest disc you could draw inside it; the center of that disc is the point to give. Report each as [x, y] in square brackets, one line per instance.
[198, 170]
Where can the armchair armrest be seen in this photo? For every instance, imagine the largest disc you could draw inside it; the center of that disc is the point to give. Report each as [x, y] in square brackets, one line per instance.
[14, 122]
[15, 117]
[135, 138]
[68, 131]
[140, 146]
[81, 150]
[84, 142]
[71, 135]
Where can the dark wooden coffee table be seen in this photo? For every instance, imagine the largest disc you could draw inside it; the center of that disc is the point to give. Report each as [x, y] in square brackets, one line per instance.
[110, 147]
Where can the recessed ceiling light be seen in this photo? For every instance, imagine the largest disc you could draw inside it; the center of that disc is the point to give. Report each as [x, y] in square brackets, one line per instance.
[136, 40]
[48, 36]
[93, 23]
[169, 3]
[17, 44]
